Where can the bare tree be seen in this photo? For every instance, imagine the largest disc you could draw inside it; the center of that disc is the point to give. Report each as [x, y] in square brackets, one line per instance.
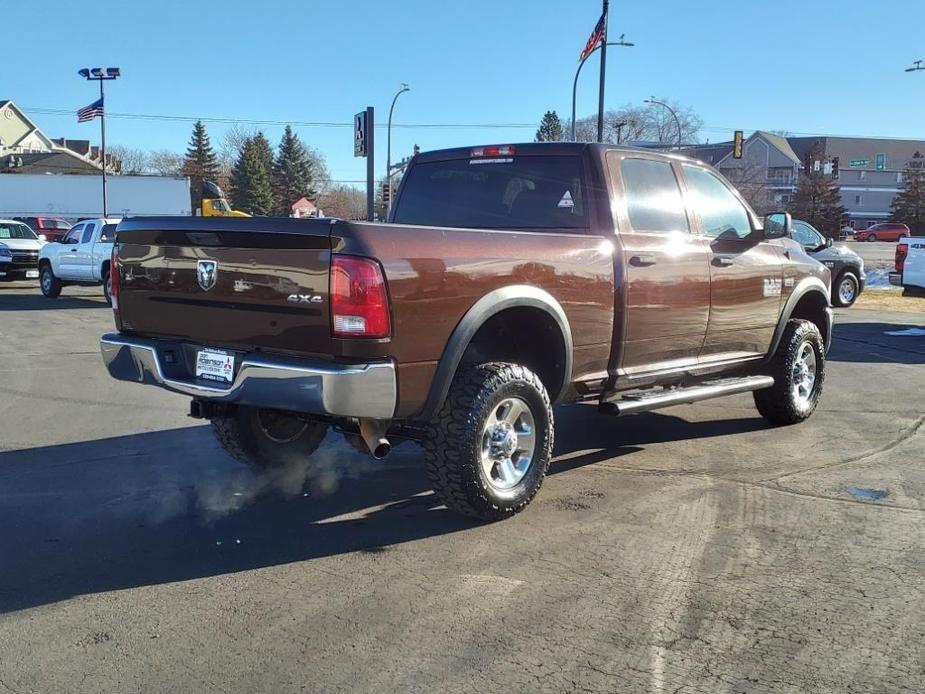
[650, 123]
[133, 161]
[343, 201]
[164, 162]
[751, 179]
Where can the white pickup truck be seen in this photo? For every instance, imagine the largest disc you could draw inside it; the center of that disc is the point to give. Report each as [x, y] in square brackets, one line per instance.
[910, 266]
[82, 257]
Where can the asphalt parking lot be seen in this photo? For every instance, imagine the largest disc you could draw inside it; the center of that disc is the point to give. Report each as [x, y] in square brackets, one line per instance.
[690, 550]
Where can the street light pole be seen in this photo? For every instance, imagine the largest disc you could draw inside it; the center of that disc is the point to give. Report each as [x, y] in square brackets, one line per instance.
[621, 42]
[916, 66]
[653, 100]
[97, 74]
[388, 148]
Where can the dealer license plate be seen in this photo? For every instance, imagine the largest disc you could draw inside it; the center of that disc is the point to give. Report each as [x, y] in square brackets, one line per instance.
[215, 365]
[32, 274]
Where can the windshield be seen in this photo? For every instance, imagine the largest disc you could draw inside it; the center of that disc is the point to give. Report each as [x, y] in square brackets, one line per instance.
[16, 231]
[220, 205]
[58, 224]
[542, 192]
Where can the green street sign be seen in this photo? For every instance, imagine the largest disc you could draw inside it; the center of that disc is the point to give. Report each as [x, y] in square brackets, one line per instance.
[857, 163]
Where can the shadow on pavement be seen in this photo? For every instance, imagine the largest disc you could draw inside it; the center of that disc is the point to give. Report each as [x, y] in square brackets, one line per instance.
[870, 343]
[170, 506]
[10, 301]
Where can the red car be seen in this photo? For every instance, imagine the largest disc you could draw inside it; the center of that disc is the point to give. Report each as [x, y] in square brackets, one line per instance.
[888, 231]
[52, 228]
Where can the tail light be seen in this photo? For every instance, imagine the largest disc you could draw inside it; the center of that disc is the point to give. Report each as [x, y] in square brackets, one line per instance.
[114, 282]
[359, 300]
[902, 250]
[494, 151]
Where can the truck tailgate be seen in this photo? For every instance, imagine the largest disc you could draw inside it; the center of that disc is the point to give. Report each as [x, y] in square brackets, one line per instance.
[236, 283]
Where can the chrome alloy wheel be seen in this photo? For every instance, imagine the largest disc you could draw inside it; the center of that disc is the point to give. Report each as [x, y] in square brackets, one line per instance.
[847, 290]
[508, 443]
[804, 374]
[47, 281]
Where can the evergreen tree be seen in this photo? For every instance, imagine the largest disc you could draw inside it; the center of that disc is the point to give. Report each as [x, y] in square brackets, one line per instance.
[908, 206]
[817, 200]
[251, 188]
[292, 173]
[264, 151]
[200, 163]
[550, 128]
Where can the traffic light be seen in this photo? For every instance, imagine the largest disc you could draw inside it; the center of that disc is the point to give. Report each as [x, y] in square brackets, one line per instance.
[737, 145]
[835, 168]
[386, 193]
[808, 163]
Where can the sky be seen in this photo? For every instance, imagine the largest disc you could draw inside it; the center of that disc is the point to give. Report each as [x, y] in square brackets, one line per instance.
[804, 66]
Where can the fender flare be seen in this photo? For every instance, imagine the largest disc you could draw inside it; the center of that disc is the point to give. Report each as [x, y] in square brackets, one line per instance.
[804, 287]
[514, 296]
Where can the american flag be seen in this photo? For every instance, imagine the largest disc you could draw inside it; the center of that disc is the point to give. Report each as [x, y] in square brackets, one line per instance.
[90, 112]
[596, 37]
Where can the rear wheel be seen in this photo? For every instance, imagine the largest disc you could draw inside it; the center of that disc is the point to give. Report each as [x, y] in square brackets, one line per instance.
[846, 289]
[488, 449]
[51, 285]
[107, 288]
[267, 438]
[798, 368]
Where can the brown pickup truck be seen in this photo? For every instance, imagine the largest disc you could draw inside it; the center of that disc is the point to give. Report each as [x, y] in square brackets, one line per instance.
[508, 279]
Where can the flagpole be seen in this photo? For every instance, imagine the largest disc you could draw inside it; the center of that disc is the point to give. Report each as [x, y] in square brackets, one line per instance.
[600, 98]
[103, 145]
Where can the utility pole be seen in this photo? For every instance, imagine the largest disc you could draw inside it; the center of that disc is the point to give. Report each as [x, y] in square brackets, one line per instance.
[600, 96]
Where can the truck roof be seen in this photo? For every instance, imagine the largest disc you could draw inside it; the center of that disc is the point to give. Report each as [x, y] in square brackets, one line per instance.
[539, 148]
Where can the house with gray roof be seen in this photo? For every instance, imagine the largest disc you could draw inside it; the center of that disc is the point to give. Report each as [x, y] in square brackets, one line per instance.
[870, 170]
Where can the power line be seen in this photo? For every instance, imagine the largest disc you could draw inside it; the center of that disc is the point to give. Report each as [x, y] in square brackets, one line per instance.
[252, 121]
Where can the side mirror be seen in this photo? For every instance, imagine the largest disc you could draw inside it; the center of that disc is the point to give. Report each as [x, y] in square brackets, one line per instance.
[829, 242]
[777, 225]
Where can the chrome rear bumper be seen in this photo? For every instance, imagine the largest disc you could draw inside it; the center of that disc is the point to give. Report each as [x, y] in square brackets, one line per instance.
[301, 385]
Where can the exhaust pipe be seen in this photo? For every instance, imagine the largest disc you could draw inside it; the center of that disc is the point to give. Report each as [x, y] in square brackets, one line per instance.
[372, 431]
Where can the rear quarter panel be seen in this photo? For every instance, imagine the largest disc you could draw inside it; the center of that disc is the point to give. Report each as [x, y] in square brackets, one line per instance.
[435, 275]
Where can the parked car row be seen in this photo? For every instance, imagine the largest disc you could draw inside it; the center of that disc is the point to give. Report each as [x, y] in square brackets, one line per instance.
[80, 257]
[886, 231]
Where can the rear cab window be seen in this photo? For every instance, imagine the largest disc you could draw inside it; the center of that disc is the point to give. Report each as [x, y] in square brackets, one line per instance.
[108, 232]
[653, 197]
[503, 192]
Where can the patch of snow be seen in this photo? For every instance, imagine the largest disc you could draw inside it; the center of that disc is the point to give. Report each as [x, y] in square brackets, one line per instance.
[878, 278]
[908, 332]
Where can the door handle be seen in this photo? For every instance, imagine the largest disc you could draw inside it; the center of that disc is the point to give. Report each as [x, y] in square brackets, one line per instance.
[73, 250]
[642, 260]
[722, 261]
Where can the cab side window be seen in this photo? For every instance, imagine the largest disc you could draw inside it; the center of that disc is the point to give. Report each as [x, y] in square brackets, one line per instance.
[653, 196]
[805, 236]
[88, 233]
[73, 236]
[721, 213]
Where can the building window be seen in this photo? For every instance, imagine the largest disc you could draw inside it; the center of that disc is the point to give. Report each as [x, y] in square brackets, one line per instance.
[858, 200]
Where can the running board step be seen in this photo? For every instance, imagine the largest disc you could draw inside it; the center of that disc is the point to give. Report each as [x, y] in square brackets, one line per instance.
[683, 396]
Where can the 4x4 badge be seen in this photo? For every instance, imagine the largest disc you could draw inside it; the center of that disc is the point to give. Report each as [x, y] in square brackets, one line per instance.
[207, 274]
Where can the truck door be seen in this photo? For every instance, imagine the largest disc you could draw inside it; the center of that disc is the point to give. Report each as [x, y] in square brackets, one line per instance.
[666, 287]
[746, 271]
[67, 254]
[83, 258]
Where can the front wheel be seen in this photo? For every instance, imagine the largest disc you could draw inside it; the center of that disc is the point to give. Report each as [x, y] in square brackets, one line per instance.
[846, 289]
[872, 237]
[488, 449]
[265, 438]
[107, 288]
[798, 368]
[51, 285]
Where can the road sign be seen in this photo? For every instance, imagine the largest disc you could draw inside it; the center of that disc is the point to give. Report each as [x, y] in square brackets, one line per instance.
[858, 163]
[359, 134]
[881, 162]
